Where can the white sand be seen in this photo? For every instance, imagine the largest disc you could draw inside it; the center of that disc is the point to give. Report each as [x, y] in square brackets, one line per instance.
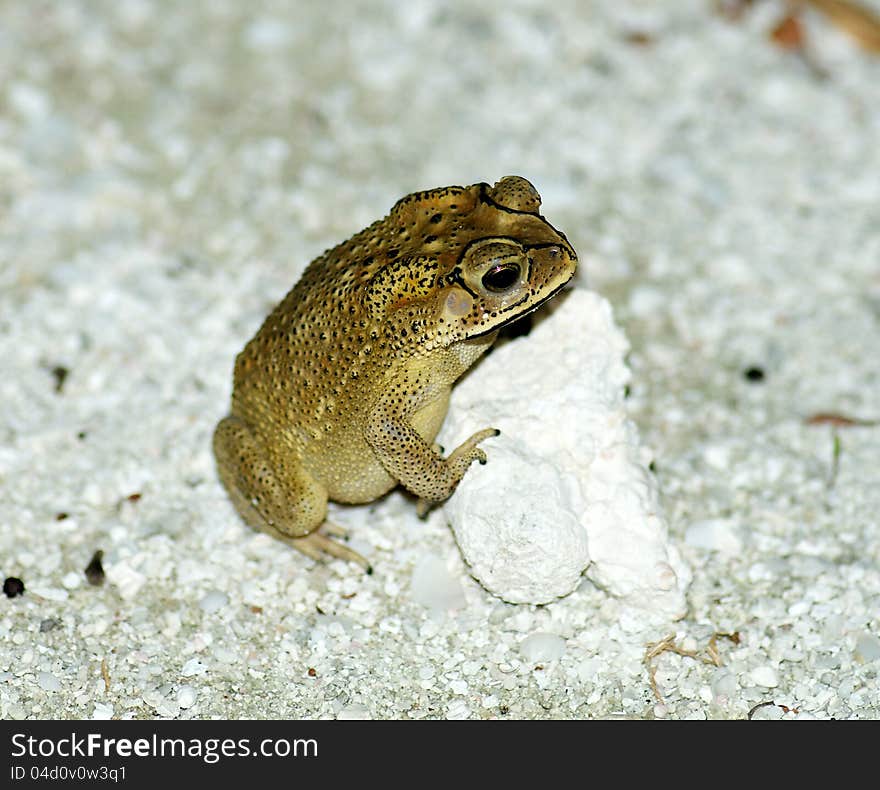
[167, 170]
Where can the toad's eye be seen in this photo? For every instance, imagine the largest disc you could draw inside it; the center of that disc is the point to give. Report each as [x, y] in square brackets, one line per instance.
[501, 277]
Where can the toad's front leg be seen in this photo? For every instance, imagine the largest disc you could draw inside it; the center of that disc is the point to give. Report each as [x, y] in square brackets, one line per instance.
[406, 453]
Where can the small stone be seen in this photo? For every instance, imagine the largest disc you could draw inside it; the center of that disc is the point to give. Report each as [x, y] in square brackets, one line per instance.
[48, 682]
[49, 624]
[764, 676]
[51, 593]
[867, 648]
[714, 534]
[723, 683]
[28, 101]
[71, 581]
[94, 571]
[354, 712]
[127, 580]
[767, 713]
[459, 687]
[542, 647]
[434, 587]
[193, 667]
[13, 586]
[214, 601]
[102, 712]
[186, 696]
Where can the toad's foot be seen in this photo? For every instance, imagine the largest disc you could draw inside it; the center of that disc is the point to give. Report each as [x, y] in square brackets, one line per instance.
[319, 547]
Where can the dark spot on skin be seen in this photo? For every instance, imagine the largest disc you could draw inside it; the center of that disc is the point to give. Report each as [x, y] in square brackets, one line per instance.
[13, 587]
[754, 374]
[95, 570]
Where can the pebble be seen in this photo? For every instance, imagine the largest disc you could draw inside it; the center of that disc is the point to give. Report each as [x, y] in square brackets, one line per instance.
[128, 581]
[186, 696]
[48, 682]
[71, 580]
[213, 601]
[434, 587]
[193, 667]
[28, 101]
[867, 648]
[542, 647]
[458, 687]
[714, 534]
[102, 711]
[50, 593]
[49, 624]
[355, 712]
[723, 683]
[764, 676]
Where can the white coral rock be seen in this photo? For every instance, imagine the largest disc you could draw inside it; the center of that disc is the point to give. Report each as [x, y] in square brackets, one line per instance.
[565, 490]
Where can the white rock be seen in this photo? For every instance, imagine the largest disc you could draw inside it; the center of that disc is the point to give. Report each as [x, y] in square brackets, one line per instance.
[564, 488]
[102, 711]
[193, 667]
[214, 601]
[28, 101]
[126, 579]
[542, 647]
[49, 593]
[764, 676]
[433, 586]
[186, 696]
[72, 580]
[265, 34]
[867, 647]
[715, 534]
[48, 682]
[354, 712]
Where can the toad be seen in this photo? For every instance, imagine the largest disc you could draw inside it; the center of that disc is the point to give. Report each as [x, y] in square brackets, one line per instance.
[342, 391]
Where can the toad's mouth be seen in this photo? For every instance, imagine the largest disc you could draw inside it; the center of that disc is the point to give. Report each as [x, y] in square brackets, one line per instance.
[523, 313]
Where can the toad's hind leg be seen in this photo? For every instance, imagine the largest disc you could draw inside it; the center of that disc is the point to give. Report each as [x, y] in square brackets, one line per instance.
[279, 498]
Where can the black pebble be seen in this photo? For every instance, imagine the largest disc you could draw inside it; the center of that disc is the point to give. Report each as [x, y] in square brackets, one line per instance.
[13, 586]
[95, 570]
[754, 374]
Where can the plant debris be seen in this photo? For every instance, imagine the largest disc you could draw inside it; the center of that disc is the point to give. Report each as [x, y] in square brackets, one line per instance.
[838, 420]
[667, 645]
[859, 22]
